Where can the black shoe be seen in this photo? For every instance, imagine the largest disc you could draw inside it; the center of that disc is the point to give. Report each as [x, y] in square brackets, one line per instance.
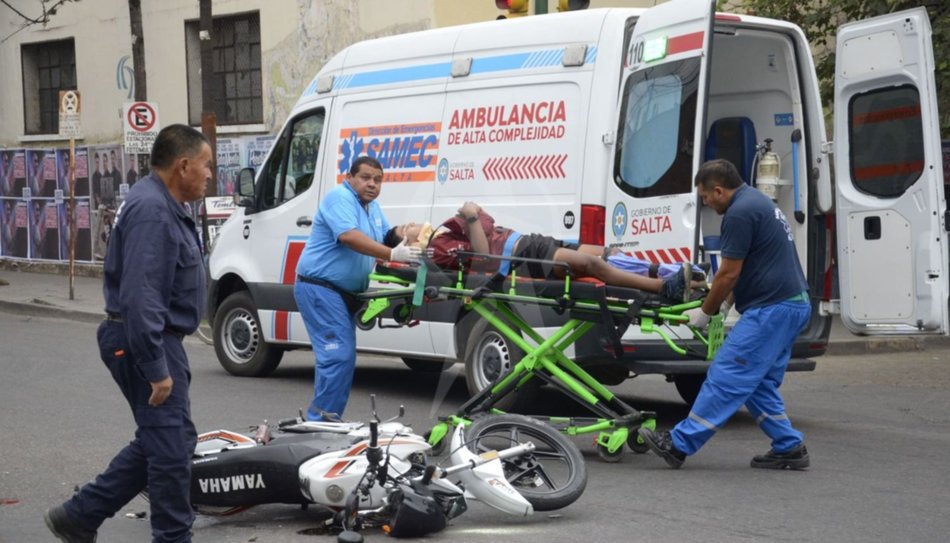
[796, 458]
[662, 444]
[676, 286]
[65, 528]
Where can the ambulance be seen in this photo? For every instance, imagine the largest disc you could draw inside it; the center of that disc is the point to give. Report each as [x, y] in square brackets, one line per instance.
[589, 126]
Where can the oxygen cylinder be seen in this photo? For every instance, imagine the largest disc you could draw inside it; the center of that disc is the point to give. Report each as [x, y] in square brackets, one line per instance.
[767, 172]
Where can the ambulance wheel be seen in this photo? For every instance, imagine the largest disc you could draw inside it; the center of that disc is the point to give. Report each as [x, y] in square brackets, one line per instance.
[550, 477]
[239, 339]
[489, 356]
[688, 385]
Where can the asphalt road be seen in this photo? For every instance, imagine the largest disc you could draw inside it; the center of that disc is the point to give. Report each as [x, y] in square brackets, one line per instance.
[878, 429]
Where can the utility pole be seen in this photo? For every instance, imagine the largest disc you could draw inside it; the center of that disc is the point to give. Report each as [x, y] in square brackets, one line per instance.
[209, 119]
[138, 50]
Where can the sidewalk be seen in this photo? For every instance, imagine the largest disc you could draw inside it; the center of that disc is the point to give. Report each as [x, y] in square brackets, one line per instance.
[42, 289]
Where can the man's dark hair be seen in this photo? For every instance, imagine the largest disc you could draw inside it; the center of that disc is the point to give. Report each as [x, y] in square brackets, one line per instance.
[175, 141]
[392, 239]
[365, 159]
[718, 172]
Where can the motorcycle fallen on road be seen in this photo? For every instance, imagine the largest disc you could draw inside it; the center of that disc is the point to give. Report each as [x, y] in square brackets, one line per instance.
[378, 474]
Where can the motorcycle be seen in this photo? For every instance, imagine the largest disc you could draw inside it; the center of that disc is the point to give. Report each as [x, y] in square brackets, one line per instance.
[378, 474]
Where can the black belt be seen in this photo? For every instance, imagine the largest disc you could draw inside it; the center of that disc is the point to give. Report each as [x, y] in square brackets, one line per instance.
[353, 303]
[322, 283]
[115, 317]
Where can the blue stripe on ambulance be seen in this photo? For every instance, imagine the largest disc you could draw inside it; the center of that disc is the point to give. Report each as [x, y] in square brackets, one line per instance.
[517, 61]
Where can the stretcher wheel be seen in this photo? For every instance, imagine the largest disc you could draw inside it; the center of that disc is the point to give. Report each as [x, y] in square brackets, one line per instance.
[402, 313]
[369, 325]
[439, 448]
[636, 443]
[607, 456]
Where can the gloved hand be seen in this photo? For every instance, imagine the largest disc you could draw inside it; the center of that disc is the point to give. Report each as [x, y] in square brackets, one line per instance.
[405, 253]
[725, 308]
[698, 317]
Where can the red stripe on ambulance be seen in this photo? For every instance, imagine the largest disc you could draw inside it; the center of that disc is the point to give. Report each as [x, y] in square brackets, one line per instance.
[684, 43]
[665, 256]
[288, 276]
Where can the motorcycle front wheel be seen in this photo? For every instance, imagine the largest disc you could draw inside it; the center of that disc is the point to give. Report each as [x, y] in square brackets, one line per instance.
[550, 477]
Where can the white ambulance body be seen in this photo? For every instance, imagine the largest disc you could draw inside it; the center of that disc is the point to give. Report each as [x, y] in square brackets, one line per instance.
[590, 126]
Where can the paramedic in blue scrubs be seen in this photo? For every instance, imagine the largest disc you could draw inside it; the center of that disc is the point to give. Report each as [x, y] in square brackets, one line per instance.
[154, 288]
[760, 268]
[344, 244]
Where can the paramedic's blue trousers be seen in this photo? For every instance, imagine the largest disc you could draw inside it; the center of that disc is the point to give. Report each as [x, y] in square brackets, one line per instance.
[748, 369]
[332, 330]
[158, 459]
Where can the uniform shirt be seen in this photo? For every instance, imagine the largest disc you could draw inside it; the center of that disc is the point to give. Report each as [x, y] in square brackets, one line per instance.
[452, 237]
[324, 257]
[757, 232]
[153, 276]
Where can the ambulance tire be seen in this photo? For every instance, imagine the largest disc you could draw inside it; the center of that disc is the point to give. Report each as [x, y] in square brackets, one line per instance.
[239, 339]
[489, 356]
[688, 385]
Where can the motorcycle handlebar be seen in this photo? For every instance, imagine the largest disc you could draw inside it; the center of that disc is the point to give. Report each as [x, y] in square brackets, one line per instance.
[373, 434]
[373, 453]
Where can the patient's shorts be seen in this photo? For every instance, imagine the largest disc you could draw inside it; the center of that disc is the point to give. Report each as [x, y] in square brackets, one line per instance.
[539, 247]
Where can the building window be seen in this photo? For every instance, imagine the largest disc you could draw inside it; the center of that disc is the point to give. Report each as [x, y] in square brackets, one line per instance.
[48, 67]
[237, 89]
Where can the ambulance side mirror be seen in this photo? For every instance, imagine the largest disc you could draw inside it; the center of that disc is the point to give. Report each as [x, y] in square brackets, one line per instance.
[245, 192]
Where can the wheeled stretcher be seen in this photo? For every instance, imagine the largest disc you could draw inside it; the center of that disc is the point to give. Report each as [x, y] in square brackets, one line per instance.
[584, 302]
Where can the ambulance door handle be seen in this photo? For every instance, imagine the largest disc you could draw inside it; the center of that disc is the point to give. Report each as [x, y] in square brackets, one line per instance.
[304, 222]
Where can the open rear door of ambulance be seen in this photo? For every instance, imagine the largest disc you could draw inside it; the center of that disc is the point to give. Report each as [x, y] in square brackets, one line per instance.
[891, 224]
[651, 205]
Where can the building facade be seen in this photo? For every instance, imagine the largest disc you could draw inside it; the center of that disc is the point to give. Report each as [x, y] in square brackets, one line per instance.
[264, 55]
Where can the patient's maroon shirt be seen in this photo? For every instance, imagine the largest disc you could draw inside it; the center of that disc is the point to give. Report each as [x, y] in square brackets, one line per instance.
[445, 245]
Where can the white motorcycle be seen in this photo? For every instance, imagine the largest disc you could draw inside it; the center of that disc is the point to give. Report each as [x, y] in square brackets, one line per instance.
[378, 474]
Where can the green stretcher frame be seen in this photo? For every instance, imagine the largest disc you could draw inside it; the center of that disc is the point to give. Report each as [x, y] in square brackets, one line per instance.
[615, 422]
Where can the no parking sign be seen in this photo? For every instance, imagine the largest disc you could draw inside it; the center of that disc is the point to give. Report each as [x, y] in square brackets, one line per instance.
[140, 120]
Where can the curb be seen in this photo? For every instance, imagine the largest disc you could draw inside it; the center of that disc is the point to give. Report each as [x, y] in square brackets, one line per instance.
[84, 269]
[51, 311]
[878, 345]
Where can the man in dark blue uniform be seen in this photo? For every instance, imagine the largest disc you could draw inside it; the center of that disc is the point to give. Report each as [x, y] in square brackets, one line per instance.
[760, 267]
[154, 287]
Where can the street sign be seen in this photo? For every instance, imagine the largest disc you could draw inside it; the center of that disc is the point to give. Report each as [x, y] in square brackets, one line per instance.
[141, 126]
[69, 108]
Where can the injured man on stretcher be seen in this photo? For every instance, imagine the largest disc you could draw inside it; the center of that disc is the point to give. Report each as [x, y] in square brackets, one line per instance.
[473, 230]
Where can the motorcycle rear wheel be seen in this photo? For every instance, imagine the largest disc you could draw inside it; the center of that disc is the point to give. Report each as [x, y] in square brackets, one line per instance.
[551, 477]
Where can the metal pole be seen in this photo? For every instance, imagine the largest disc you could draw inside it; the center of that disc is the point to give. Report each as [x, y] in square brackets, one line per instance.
[72, 217]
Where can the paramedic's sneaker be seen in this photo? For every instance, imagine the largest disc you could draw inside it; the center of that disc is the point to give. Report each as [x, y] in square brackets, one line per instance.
[65, 528]
[796, 458]
[662, 444]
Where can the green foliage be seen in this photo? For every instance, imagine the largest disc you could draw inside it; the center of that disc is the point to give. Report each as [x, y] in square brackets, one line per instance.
[820, 20]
